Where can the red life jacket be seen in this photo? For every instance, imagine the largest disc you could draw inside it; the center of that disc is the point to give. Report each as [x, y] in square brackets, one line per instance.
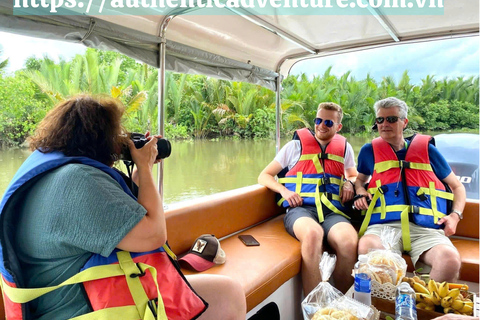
[318, 176]
[405, 190]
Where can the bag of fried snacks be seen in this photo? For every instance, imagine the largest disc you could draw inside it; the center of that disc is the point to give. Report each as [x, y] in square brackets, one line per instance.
[327, 303]
[387, 265]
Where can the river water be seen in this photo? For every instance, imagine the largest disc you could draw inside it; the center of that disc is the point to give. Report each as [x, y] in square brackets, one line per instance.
[195, 168]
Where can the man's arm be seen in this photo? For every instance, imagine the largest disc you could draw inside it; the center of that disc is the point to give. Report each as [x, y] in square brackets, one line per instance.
[459, 198]
[361, 203]
[348, 189]
[267, 178]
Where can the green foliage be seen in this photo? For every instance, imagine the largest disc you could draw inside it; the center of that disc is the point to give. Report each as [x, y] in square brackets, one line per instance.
[20, 109]
[201, 107]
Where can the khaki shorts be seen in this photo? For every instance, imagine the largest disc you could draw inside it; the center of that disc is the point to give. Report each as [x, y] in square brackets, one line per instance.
[422, 239]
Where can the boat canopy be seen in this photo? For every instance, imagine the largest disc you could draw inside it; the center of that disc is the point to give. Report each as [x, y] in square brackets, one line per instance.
[239, 46]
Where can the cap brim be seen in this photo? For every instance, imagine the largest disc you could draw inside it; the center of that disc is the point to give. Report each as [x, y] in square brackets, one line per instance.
[196, 262]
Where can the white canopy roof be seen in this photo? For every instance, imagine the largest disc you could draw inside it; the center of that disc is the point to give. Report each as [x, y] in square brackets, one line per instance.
[244, 47]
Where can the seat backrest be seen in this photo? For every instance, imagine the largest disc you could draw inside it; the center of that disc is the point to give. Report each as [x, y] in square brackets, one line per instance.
[220, 214]
[468, 227]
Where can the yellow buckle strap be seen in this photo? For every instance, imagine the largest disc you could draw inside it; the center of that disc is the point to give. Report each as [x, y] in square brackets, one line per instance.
[368, 214]
[24, 295]
[330, 205]
[390, 164]
[126, 264]
[334, 157]
[438, 193]
[405, 222]
[136, 288]
[169, 251]
[314, 159]
[318, 203]
[383, 204]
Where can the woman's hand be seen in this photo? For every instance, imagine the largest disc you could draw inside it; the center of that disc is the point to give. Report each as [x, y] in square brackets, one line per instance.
[146, 156]
[148, 137]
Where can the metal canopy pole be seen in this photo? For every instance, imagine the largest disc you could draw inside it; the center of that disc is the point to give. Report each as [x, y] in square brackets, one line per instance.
[278, 115]
[161, 92]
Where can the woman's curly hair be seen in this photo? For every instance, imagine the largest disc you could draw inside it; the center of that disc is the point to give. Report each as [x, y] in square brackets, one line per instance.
[83, 126]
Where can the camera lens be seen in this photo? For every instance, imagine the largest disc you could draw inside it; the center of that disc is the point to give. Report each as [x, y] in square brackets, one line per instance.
[164, 147]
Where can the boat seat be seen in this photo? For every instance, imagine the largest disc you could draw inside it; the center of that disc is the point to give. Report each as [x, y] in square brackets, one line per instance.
[261, 269]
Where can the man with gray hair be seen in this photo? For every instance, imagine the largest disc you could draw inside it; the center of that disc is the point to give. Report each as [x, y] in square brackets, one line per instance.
[319, 168]
[411, 188]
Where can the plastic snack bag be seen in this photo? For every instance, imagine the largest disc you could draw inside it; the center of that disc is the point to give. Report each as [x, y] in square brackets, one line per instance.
[387, 265]
[325, 302]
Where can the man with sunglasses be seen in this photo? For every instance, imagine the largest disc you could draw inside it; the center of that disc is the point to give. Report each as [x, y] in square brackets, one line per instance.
[321, 168]
[409, 191]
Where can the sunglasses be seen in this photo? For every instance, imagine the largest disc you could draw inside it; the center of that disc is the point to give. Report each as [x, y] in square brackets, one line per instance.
[328, 123]
[390, 119]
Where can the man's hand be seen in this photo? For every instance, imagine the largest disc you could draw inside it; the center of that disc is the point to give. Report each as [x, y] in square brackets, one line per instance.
[361, 203]
[450, 223]
[294, 199]
[347, 192]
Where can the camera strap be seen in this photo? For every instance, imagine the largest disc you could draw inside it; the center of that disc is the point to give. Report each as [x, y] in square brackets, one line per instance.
[129, 165]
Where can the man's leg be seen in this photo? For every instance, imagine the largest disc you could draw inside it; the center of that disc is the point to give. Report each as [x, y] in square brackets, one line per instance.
[310, 235]
[433, 248]
[343, 238]
[445, 262]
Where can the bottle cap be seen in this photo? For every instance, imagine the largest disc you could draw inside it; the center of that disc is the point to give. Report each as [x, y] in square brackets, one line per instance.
[363, 258]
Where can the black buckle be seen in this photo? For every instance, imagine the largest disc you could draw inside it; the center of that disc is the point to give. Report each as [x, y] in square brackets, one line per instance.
[404, 164]
[326, 180]
[153, 305]
[422, 196]
[323, 156]
[415, 209]
[329, 195]
[141, 274]
[383, 189]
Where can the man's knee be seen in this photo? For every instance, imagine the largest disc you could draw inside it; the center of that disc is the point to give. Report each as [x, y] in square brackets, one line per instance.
[368, 242]
[447, 257]
[312, 241]
[345, 245]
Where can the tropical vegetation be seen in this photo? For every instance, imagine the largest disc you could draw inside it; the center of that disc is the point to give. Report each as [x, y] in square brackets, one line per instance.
[202, 107]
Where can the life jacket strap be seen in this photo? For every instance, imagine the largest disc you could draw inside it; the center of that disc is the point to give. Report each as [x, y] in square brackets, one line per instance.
[368, 213]
[132, 276]
[390, 164]
[126, 267]
[314, 158]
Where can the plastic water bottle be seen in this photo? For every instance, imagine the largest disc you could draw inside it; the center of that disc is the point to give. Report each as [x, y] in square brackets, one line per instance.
[405, 307]
[363, 283]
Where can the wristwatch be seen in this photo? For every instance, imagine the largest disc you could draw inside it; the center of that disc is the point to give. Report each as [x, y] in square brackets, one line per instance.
[459, 213]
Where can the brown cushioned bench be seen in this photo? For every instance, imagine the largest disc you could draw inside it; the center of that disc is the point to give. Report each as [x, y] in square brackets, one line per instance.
[261, 270]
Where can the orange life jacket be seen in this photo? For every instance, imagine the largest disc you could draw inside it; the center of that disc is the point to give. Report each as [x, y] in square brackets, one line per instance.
[318, 176]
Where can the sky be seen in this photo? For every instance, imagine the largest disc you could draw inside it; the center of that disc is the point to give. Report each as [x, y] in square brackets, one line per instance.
[443, 59]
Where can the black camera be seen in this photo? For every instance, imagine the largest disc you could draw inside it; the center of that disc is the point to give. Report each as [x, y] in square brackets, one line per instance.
[164, 147]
